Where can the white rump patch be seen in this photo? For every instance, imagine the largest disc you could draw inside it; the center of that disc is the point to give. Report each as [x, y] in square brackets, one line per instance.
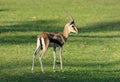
[38, 42]
[43, 42]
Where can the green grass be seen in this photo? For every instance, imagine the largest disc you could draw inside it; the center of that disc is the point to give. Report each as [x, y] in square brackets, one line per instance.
[91, 56]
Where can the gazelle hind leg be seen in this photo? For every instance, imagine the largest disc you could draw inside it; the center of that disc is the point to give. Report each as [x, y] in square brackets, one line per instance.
[44, 48]
[35, 53]
[40, 59]
[34, 56]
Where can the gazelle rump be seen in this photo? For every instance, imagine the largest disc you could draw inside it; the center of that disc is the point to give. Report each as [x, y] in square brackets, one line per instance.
[48, 39]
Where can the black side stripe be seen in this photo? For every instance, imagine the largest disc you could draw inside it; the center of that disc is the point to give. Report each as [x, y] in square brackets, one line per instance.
[41, 46]
[56, 41]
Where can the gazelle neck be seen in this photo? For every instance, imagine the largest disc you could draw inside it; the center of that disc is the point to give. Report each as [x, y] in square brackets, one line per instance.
[66, 31]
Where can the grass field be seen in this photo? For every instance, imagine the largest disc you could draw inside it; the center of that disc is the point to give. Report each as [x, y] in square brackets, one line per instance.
[91, 56]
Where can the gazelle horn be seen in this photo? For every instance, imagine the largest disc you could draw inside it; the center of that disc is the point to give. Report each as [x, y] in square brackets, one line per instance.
[71, 19]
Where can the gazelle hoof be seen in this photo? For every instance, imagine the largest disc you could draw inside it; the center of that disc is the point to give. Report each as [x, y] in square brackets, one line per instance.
[32, 71]
[54, 70]
[43, 72]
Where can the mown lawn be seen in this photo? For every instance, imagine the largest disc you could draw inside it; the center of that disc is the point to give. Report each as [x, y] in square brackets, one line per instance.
[91, 56]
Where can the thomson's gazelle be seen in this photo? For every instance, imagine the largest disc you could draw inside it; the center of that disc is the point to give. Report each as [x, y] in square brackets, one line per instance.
[48, 39]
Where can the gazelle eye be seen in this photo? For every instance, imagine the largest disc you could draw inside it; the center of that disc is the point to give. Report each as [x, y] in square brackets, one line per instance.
[72, 26]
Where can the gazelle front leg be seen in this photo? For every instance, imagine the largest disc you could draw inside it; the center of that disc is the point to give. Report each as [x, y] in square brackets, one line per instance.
[61, 64]
[54, 54]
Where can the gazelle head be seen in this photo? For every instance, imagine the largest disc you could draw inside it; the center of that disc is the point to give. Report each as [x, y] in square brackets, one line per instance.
[71, 26]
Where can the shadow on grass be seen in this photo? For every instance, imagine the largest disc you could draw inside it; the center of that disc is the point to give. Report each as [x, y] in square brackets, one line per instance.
[31, 26]
[101, 27]
[50, 26]
[21, 73]
[1, 10]
[94, 65]
[67, 76]
[18, 39]
[95, 36]
[39, 25]
[78, 76]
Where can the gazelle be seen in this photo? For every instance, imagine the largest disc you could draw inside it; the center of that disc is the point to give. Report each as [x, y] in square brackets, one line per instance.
[48, 39]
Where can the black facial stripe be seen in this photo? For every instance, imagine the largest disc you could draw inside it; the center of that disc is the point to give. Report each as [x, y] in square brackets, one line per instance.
[74, 28]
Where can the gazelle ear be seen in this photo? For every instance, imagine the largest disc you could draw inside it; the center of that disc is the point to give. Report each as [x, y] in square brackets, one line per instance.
[72, 22]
